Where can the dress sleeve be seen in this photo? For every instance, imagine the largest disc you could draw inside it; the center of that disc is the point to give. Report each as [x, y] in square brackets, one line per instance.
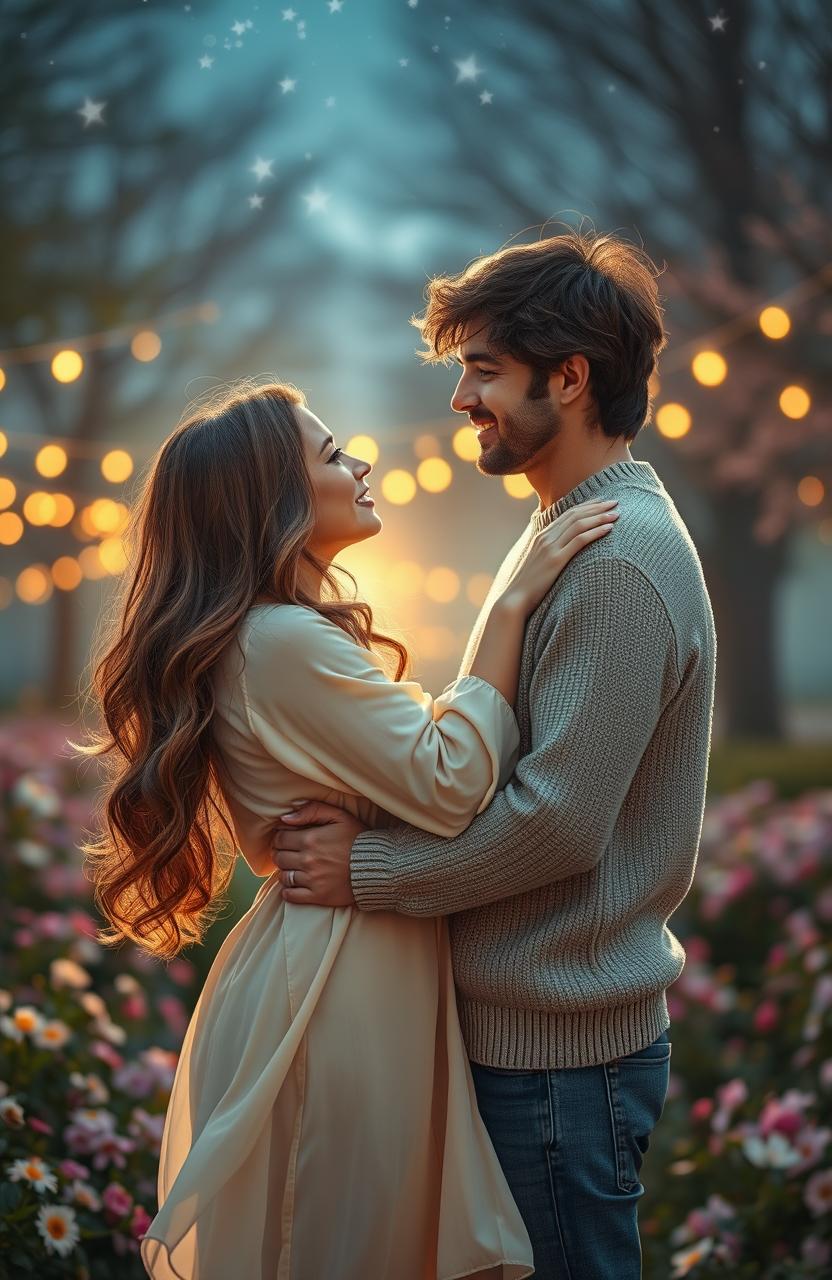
[324, 707]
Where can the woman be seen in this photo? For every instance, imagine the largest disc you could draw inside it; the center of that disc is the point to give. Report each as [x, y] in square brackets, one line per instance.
[323, 1123]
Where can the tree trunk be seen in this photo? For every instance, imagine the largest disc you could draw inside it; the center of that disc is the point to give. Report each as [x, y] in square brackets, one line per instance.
[743, 576]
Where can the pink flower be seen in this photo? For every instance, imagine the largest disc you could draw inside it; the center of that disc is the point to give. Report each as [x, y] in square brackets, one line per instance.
[140, 1221]
[701, 1109]
[106, 1053]
[815, 1252]
[40, 1126]
[729, 1097]
[111, 1148]
[117, 1199]
[818, 1192]
[766, 1017]
[825, 1073]
[785, 1115]
[71, 1169]
[174, 1013]
[811, 1143]
[182, 972]
[134, 1006]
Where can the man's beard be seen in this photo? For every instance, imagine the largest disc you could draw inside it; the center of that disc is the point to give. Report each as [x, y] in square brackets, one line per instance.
[523, 434]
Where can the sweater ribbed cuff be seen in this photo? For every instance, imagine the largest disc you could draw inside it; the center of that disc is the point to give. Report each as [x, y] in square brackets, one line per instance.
[371, 872]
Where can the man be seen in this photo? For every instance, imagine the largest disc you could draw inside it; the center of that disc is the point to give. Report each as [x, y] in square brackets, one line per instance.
[558, 894]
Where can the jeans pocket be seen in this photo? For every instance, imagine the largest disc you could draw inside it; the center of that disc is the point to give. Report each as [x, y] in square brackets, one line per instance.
[636, 1089]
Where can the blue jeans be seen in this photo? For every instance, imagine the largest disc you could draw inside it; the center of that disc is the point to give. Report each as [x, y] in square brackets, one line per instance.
[571, 1143]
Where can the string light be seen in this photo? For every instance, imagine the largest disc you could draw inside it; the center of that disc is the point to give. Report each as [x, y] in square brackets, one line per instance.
[673, 421]
[811, 491]
[145, 345]
[363, 447]
[517, 486]
[434, 474]
[478, 587]
[465, 444]
[398, 487]
[795, 402]
[40, 508]
[709, 368]
[425, 446]
[775, 322]
[34, 584]
[8, 492]
[51, 460]
[116, 466]
[11, 528]
[442, 584]
[66, 573]
[67, 366]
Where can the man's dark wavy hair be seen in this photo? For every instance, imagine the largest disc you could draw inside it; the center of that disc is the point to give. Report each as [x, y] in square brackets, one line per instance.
[586, 293]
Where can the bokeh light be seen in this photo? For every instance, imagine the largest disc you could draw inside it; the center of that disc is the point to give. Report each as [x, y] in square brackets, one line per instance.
[66, 573]
[398, 487]
[50, 460]
[775, 322]
[407, 577]
[811, 491]
[4, 443]
[465, 444]
[709, 368]
[434, 474]
[34, 584]
[477, 587]
[112, 554]
[363, 447]
[145, 345]
[6, 593]
[795, 402]
[11, 528]
[64, 510]
[442, 584]
[91, 563]
[8, 492]
[40, 508]
[673, 421]
[104, 515]
[67, 365]
[517, 486]
[2, 379]
[426, 446]
[117, 465]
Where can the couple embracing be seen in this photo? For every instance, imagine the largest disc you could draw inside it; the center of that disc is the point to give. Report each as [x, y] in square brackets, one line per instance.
[437, 1043]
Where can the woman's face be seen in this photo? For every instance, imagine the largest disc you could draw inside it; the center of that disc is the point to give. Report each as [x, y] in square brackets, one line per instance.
[342, 515]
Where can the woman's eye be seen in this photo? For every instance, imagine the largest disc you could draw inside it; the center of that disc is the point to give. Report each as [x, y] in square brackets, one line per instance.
[335, 456]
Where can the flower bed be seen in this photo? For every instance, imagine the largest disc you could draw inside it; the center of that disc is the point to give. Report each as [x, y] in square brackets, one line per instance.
[738, 1176]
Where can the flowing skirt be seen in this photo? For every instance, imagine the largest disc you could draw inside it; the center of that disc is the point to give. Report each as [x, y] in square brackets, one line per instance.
[323, 1123]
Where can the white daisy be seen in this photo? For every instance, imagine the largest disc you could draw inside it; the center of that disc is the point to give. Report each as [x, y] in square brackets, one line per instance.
[58, 1227]
[34, 1171]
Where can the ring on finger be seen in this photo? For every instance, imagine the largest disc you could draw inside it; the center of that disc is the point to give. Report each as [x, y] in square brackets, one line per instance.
[291, 878]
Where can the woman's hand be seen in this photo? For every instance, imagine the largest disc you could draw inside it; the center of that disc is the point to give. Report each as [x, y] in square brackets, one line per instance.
[552, 548]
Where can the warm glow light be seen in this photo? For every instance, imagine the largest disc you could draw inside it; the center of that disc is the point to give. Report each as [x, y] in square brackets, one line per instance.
[67, 366]
[795, 402]
[673, 421]
[4, 443]
[398, 487]
[90, 562]
[434, 474]
[66, 573]
[11, 528]
[517, 486]
[435, 643]
[442, 584]
[104, 515]
[116, 466]
[363, 447]
[2, 379]
[709, 368]
[426, 446]
[775, 322]
[34, 584]
[40, 508]
[465, 444]
[50, 460]
[478, 587]
[146, 345]
[654, 385]
[8, 492]
[811, 491]
[113, 558]
[407, 577]
[64, 510]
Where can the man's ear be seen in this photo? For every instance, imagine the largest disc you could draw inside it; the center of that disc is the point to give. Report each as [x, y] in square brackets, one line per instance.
[575, 375]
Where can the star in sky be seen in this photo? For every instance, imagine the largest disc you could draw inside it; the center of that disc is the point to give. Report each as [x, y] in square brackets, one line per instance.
[240, 28]
[411, 4]
[206, 62]
[335, 6]
[262, 168]
[486, 98]
[91, 111]
[287, 85]
[718, 21]
[329, 102]
[467, 69]
[404, 62]
[289, 15]
[317, 200]
[255, 202]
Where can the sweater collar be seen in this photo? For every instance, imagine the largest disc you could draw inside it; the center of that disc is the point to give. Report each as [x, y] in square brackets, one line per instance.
[635, 473]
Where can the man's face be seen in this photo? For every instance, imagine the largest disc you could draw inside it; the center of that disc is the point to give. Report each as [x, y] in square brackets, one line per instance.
[508, 402]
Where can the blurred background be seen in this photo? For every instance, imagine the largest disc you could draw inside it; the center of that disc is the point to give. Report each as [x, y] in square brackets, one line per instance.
[195, 192]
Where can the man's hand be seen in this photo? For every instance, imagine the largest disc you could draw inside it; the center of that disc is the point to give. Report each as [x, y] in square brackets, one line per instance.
[314, 843]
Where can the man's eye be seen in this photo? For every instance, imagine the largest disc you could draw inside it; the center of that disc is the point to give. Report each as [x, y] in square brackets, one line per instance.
[335, 456]
[486, 373]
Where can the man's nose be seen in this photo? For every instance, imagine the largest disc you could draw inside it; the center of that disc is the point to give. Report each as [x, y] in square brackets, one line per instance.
[464, 398]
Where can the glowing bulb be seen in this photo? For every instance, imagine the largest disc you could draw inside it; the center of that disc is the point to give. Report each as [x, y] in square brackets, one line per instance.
[465, 444]
[517, 486]
[66, 573]
[11, 528]
[363, 447]
[104, 515]
[145, 345]
[775, 322]
[2, 379]
[442, 584]
[113, 558]
[426, 446]
[64, 510]
[40, 508]
[34, 584]
[8, 492]
[4, 443]
[811, 491]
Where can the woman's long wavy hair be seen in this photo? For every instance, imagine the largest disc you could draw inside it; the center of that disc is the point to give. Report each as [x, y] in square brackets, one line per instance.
[222, 520]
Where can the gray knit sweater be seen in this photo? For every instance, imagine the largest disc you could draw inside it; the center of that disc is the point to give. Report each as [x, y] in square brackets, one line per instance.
[559, 892]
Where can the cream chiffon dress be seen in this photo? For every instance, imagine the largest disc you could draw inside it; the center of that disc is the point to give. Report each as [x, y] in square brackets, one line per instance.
[323, 1123]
